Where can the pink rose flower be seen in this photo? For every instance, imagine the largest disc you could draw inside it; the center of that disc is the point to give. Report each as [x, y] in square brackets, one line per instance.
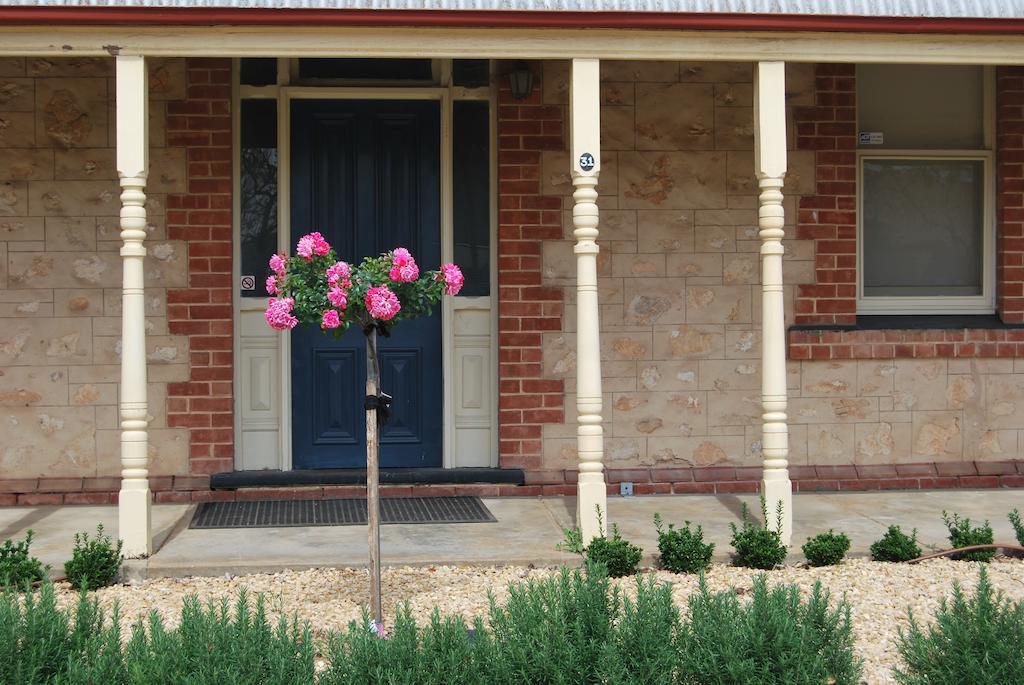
[320, 247]
[453, 279]
[339, 272]
[305, 247]
[272, 285]
[405, 273]
[312, 244]
[278, 264]
[382, 304]
[403, 266]
[338, 297]
[330, 319]
[279, 314]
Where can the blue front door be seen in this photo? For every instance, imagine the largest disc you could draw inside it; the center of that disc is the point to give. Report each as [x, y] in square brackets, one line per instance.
[366, 174]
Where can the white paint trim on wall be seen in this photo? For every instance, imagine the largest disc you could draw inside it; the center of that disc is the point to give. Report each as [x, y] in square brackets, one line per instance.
[532, 43]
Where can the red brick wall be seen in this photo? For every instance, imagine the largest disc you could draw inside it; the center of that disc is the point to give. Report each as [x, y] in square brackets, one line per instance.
[526, 308]
[829, 217]
[1010, 198]
[203, 311]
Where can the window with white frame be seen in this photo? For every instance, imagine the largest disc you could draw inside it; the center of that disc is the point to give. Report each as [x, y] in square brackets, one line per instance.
[925, 215]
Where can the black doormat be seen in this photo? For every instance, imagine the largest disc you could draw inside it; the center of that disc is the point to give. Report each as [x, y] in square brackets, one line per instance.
[339, 512]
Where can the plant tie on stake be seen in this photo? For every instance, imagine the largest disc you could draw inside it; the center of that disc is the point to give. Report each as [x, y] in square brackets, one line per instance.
[380, 402]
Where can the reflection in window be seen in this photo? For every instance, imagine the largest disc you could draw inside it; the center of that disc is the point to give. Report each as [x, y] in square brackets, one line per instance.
[258, 191]
[923, 230]
[472, 194]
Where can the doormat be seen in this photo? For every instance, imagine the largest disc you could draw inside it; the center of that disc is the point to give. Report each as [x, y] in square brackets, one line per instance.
[339, 512]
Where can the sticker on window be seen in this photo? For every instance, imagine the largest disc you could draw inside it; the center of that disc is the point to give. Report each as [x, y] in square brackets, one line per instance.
[248, 283]
[872, 138]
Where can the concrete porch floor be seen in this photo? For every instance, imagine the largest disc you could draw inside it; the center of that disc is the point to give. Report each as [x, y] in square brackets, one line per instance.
[526, 531]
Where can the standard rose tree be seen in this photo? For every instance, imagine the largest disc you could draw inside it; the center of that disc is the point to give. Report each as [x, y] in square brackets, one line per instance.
[315, 287]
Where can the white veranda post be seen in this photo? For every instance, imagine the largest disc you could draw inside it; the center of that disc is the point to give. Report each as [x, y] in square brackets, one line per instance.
[770, 165]
[585, 113]
[132, 168]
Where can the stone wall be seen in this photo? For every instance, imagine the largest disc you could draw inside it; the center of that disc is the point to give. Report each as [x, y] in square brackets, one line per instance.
[680, 313]
[60, 280]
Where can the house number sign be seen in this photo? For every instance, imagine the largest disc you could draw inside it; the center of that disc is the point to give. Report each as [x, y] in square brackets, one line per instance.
[586, 161]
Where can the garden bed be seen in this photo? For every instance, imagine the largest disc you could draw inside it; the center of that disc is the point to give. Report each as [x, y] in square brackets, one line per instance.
[879, 593]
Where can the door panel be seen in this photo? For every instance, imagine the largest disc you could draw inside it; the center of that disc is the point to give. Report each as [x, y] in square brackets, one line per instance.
[366, 174]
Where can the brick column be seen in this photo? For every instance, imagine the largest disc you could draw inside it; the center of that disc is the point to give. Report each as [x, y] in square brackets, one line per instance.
[829, 217]
[203, 311]
[526, 309]
[1010, 194]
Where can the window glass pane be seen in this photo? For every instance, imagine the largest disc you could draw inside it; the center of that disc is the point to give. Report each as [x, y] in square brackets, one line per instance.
[472, 194]
[258, 71]
[921, 106]
[922, 227]
[366, 69]
[258, 192]
[471, 73]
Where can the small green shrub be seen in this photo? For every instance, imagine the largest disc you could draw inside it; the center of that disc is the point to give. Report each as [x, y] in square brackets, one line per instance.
[826, 549]
[18, 568]
[617, 554]
[773, 639]
[758, 547]
[94, 563]
[683, 550]
[1018, 526]
[974, 640]
[962, 534]
[896, 545]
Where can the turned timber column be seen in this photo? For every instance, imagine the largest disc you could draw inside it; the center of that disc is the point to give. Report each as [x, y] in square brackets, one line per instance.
[132, 168]
[585, 119]
[770, 165]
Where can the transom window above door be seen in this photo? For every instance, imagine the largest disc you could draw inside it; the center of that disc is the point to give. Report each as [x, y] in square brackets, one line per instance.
[925, 191]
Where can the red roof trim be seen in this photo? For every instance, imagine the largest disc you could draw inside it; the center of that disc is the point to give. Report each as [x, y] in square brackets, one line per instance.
[208, 16]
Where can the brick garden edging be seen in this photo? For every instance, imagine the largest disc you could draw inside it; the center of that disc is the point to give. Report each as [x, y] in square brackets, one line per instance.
[646, 481]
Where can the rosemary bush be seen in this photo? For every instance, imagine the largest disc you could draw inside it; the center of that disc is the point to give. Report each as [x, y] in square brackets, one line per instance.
[40, 643]
[975, 639]
[774, 639]
[214, 645]
[683, 550]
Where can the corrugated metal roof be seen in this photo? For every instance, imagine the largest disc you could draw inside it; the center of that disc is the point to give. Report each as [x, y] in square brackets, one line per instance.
[959, 9]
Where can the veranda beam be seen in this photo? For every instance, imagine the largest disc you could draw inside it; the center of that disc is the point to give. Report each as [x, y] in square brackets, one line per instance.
[770, 167]
[132, 168]
[585, 116]
[508, 43]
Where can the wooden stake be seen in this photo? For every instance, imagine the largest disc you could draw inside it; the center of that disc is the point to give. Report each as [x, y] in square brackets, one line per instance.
[372, 477]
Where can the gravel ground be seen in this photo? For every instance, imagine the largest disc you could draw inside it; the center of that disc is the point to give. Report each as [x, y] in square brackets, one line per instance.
[879, 593]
